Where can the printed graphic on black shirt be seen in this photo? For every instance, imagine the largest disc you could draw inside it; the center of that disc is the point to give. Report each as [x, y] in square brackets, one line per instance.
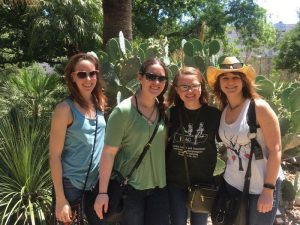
[193, 140]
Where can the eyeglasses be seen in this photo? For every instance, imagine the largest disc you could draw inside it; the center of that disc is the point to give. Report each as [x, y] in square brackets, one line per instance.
[154, 77]
[84, 74]
[185, 87]
[232, 66]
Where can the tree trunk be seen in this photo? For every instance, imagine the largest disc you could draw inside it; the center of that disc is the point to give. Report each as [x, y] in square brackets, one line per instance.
[117, 17]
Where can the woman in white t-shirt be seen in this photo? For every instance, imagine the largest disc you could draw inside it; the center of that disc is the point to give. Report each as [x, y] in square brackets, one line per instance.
[233, 85]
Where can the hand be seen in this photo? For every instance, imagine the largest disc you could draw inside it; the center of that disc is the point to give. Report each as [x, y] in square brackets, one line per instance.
[101, 205]
[63, 211]
[265, 201]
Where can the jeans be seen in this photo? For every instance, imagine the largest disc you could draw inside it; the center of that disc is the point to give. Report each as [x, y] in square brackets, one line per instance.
[178, 210]
[258, 218]
[146, 207]
[72, 194]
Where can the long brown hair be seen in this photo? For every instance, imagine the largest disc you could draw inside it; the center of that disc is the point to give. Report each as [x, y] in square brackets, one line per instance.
[99, 98]
[173, 97]
[248, 90]
[161, 99]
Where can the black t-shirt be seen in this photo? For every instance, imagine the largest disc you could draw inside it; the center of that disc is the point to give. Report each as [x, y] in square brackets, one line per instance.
[199, 131]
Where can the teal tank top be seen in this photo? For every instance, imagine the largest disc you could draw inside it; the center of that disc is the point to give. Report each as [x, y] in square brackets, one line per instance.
[78, 147]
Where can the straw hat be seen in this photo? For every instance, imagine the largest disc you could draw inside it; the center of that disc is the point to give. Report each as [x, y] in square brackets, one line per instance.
[229, 63]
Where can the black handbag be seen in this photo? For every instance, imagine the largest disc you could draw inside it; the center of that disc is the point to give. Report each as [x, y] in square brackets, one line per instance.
[76, 206]
[200, 197]
[118, 188]
[234, 210]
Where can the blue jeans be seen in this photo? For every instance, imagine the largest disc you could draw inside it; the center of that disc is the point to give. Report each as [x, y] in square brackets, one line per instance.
[178, 210]
[146, 207]
[258, 218]
[72, 194]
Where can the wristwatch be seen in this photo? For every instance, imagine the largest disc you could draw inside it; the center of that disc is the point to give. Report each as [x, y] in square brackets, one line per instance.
[269, 186]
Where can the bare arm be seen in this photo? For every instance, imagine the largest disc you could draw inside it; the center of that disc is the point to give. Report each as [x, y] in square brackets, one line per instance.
[105, 168]
[269, 124]
[60, 119]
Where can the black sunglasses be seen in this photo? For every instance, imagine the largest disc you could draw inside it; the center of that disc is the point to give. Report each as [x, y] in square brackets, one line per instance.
[154, 77]
[84, 74]
[232, 66]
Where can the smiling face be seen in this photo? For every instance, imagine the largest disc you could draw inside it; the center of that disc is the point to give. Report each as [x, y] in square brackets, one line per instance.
[188, 88]
[151, 83]
[85, 84]
[231, 84]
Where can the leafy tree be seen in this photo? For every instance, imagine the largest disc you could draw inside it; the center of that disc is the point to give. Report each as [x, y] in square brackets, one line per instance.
[31, 91]
[178, 20]
[289, 51]
[44, 30]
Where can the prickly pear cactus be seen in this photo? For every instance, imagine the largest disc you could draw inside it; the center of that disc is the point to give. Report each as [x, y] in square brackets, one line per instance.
[201, 55]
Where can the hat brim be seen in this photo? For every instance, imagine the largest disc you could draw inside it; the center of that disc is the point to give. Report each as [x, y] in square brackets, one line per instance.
[213, 73]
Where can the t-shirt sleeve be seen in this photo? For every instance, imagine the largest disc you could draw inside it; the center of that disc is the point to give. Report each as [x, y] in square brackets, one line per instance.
[115, 128]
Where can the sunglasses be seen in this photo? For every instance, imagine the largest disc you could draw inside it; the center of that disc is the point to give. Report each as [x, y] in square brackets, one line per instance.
[154, 77]
[184, 87]
[232, 66]
[84, 74]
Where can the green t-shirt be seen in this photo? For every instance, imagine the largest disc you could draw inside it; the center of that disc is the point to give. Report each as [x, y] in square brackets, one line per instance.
[130, 131]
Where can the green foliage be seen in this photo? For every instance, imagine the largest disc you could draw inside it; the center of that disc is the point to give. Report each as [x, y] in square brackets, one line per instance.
[289, 51]
[122, 60]
[283, 97]
[288, 192]
[45, 30]
[220, 166]
[265, 87]
[200, 55]
[31, 91]
[25, 181]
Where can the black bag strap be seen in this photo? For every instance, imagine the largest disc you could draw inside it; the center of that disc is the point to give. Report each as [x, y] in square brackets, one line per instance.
[141, 157]
[91, 161]
[251, 120]
[186, 166]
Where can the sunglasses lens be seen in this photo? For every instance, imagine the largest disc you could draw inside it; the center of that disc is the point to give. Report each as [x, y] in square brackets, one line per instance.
[93, 73]
[154, 77]
[162, 79]
[231, 66]
[82, 74]
[150, 77]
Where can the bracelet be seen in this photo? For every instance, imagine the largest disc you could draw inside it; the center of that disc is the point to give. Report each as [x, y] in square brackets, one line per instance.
[269, 186]
[102, 193]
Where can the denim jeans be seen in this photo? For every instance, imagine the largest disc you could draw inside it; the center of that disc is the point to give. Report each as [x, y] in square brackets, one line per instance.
[72, 194]
[178, 210]
[146, 207]
[258, 218]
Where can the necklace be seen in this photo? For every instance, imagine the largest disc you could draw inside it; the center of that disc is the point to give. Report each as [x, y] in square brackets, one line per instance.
[148, 118]
[235, 107]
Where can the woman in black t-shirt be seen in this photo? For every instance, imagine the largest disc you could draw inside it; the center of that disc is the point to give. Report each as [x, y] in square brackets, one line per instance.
[193, 127]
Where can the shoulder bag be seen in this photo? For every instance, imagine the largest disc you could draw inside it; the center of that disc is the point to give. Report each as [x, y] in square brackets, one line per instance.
[200, 197]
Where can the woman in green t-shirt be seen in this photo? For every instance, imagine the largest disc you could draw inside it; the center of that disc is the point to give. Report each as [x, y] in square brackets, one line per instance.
[129, 128]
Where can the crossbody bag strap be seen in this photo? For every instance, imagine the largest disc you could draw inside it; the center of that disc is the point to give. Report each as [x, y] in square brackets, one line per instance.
[90, 164]
[251, 120]
[142, 155]
[186, 166]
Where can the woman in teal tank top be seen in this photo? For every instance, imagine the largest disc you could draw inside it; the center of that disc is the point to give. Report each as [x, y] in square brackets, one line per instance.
[73, 148]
